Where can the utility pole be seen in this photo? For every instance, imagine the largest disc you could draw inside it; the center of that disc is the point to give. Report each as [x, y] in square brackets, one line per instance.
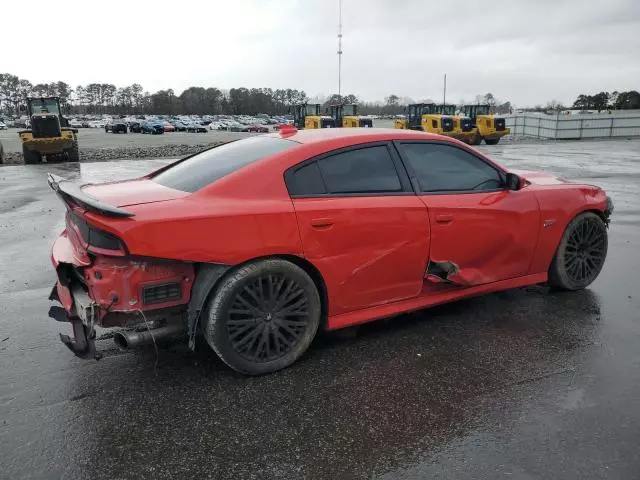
[444, 94]
[340, 48]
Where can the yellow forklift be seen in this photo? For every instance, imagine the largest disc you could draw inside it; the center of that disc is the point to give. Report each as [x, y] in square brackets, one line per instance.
[346, 115]
[49, 134]
[425, 117]
[486, 126]
[307, 115]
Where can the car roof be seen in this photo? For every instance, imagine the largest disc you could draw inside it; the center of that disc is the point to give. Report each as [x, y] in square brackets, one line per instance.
[318, 135]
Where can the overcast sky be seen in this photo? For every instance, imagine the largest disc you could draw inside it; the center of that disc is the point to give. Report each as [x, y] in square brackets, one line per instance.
[526, 51]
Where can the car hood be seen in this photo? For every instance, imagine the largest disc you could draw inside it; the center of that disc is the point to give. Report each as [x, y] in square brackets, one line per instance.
[132, 192]
[541, 178]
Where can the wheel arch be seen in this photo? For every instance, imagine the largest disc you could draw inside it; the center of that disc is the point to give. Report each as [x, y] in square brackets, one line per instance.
[210, 275]
[317, 278]
[600, 214]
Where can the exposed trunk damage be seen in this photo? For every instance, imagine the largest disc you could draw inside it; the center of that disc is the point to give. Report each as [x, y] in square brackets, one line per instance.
[449, 272]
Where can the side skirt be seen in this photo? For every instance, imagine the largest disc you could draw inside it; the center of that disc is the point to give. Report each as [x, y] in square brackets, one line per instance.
[429, 299]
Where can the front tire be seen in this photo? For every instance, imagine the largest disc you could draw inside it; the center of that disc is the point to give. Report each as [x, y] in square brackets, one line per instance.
[72, 153]
[581, 253]
[263, 316]
[31, 157]
[492, 141]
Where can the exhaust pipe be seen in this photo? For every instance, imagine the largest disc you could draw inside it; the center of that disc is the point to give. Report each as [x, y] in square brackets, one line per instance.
[133, 339]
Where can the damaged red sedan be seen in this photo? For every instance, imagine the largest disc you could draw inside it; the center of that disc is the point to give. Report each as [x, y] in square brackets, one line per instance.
[258, 243]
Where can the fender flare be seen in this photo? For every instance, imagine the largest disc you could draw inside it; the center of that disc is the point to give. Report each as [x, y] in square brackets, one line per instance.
[207, 277]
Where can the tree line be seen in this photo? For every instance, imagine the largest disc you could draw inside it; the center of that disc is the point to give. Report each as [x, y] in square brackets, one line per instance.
[608, 101]
[106, 98]
[99, 98]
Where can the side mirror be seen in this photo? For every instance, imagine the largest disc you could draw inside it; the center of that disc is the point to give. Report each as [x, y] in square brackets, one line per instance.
[514, 182]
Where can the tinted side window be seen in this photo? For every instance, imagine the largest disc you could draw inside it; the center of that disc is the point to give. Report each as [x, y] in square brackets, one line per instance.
[306, 181]
[366, 170]
[204, 168]
[441, 168]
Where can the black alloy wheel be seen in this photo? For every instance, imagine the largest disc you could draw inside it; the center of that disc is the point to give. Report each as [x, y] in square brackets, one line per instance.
[585, 250]
[263, 316]
[267, 318]
[581, 253]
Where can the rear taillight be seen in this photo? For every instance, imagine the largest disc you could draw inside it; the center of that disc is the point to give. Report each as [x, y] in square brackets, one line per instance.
[95, 240]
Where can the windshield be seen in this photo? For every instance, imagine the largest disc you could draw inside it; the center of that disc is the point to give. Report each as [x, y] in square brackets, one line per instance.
[39, 106]
[448, 109]
[349, 110]
[482, 110]
[311, 110]
[205, 168]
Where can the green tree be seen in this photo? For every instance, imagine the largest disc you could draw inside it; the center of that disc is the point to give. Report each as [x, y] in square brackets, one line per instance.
[628, 100]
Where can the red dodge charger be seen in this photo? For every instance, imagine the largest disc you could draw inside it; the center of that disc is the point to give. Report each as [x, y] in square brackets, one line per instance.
[258, 243]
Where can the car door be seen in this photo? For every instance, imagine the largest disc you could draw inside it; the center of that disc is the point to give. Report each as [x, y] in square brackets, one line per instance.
[361, 225]
[481, 232]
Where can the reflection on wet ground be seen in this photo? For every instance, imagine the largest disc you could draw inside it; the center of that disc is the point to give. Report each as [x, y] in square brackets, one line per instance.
[528, 383]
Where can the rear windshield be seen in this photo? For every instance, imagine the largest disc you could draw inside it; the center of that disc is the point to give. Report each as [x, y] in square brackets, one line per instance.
[204, 168]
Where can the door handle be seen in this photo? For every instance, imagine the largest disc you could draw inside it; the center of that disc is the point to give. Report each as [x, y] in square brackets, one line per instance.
[321, 222]
[444, 219]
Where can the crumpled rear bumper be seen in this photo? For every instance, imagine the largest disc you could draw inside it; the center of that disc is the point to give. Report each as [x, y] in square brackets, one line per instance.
[100, 290]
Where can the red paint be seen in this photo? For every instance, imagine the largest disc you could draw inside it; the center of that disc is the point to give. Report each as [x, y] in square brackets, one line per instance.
[371, 251]
[491, 236]
[132, 192]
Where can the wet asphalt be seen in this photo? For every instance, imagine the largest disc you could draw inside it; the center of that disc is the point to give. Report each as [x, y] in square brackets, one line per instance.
[523, 384]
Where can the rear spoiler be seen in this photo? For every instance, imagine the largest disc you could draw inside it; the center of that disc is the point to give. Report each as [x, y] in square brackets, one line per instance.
[71, 192]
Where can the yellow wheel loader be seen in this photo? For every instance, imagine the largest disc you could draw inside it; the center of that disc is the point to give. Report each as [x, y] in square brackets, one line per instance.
[486, 126]
[462, 126]
[346, 115]
[49, 134]
[307, 115]
[424, 116]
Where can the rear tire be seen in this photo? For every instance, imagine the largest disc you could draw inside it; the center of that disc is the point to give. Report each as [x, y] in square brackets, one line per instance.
[31, 157]
[263, 316]
[477, 140]
[492, 141]
[581, 253]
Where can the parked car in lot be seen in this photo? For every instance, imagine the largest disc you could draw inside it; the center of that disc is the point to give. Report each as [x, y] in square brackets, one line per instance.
[168, 127]
[116, 126]
[257, 129]
[196, 128]
[236, 127]
[3, 126]
[135, 127]
[153, 127]
[178, 126]
[75, 123]
[268, 239]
